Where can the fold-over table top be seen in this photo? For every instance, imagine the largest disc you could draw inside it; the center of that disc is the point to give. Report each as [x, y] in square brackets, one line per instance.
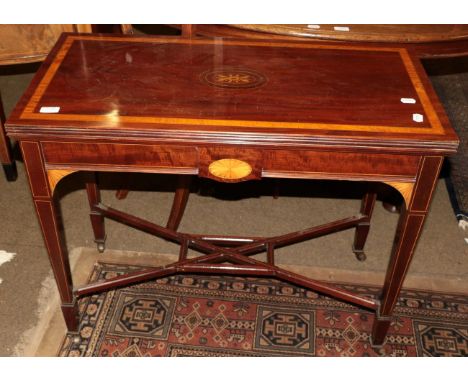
[218, 86]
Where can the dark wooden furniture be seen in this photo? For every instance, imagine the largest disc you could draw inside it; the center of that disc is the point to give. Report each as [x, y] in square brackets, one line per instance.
[424, 40]
[6, 155]
[381, 33]
[233, 111]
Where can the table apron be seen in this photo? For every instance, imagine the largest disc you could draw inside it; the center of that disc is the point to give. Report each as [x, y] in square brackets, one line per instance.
[264, 162]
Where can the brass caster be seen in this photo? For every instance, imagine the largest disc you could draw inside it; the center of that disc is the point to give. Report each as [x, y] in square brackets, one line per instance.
[101, 247]
[361, 256]
[378, 348]
[391, 207]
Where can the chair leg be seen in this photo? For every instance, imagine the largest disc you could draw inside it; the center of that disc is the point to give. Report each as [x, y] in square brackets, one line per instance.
[362, 229]
[180, 201]
[97, 220]
[6, 156]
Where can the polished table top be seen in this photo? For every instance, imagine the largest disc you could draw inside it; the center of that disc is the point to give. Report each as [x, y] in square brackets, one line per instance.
[253, 90]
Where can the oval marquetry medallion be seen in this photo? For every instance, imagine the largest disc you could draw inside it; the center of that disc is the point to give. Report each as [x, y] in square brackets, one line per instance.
[230, 169]
[233, 78]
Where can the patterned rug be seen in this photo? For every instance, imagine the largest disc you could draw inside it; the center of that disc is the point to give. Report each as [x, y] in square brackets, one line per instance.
[206, 315]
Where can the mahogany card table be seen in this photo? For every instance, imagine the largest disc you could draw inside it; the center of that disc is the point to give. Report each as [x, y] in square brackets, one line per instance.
[232, 110]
